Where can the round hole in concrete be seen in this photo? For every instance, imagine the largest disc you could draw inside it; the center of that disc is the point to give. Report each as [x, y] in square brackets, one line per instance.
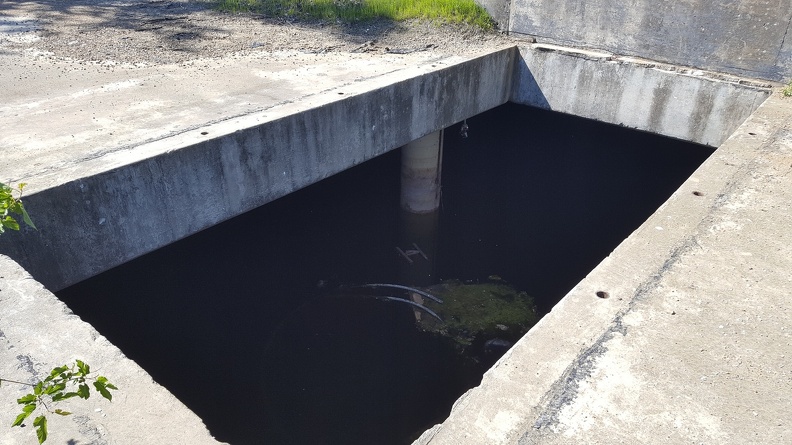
[698, 193]
[602, 294]
[204, 133]
[752, 134]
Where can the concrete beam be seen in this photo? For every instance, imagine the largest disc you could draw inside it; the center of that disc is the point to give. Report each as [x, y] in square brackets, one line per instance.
[687, 104]
[105, 210]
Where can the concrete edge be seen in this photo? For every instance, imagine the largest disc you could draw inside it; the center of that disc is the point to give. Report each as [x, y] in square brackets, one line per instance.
[37, 333]
[124, 204]
[523, 393]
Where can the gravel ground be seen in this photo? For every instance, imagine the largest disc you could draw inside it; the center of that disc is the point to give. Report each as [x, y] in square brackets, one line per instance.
[153, 32]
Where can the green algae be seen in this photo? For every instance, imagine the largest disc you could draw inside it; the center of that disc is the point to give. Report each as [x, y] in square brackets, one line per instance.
[480, 311]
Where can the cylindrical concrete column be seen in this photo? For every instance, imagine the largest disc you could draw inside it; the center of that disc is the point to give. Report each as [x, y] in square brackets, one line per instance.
[420, 173]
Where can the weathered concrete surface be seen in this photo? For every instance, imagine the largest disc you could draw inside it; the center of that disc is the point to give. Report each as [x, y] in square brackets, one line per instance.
[693, 105]
[38, 333]
[124, 163]
[499, 10]
[748, 38]
[692, 344]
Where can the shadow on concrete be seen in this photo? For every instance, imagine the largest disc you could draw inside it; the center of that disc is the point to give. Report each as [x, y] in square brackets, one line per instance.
[171, 20]
[525, 90]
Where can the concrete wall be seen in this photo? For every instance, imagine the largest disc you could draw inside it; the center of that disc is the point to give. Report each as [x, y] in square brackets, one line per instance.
[747, 38]
[129, 207]
[100, 221]
[684, 104]
[499, 11]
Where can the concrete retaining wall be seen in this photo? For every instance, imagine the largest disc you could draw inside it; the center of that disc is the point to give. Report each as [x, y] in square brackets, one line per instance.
[126, 206]
[748, 38]
[498, 10]
[690, 105]
[38, 333]
[92, 224]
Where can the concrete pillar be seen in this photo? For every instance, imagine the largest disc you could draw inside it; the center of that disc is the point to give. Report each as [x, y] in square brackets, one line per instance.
[420, 174]
[420, 201]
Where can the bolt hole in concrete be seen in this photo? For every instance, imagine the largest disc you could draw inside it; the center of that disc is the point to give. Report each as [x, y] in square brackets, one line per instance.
[602, 294]
[698, 193]
[249, 323]
[204, 133]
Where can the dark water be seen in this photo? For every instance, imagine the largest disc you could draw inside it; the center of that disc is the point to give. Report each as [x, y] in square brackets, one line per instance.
[232, 322]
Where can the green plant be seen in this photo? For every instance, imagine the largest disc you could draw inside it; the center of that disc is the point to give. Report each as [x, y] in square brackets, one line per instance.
[64, 382]
[10, 204]
[453, 11]
[787, 91]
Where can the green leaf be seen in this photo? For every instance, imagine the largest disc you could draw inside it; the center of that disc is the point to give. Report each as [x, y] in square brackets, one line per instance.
[84, 391]
[19, 419]
[54, 388]
[84, 369]
[62, 412]
[59, 370]
[111, 386]
[27, 398]
[41, 428]
[29, 408]
[10, 223]
[26, 218]
[61, 396]
[103, 391]
[38, 388]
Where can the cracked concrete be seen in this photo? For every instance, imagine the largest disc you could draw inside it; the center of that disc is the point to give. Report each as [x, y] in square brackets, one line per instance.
[692, 344]
[40, 333]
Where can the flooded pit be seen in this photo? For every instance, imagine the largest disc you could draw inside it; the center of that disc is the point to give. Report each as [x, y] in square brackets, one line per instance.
[249, 324]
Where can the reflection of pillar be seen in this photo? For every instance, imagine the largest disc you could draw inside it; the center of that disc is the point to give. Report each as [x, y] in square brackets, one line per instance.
[420, 201]
[420, 174]
[418, 232]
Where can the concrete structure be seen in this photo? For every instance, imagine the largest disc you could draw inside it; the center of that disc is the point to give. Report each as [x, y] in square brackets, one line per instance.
[37, 333]
[420, 173]
[681, 334]
[748, 38]
[113, 200]
[692, 105]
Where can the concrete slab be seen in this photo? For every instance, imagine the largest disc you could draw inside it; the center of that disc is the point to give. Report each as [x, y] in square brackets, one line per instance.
[64, 113]
[682, 335]
[38, 333]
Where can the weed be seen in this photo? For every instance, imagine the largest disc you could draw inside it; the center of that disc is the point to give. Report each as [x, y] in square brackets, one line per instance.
[787, 91]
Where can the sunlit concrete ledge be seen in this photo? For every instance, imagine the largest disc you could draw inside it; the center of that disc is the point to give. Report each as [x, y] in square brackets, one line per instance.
[37, 333]
[682, 335]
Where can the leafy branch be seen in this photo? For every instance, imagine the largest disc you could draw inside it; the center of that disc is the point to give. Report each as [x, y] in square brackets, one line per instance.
[64, 382]
[10, 204]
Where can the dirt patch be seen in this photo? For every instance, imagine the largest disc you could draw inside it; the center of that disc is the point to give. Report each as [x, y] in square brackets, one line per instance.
[156, 32]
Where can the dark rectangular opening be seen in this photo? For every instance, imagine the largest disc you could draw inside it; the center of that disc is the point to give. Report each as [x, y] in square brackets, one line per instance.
[242, 322]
